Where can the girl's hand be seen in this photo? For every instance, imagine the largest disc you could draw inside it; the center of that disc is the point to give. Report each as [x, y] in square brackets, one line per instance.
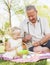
[27, 38]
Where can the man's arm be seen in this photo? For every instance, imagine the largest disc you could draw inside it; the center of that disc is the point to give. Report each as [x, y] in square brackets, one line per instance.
[42, 41]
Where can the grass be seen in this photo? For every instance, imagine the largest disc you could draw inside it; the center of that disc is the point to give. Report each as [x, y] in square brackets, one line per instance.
[42, 62]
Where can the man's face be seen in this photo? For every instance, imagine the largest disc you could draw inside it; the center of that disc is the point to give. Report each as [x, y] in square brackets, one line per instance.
[32, 15]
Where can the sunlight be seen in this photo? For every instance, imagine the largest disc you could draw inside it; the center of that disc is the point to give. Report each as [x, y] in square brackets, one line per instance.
[15, 19]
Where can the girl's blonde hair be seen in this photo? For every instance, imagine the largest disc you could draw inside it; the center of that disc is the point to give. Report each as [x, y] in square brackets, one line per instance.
[14, 29]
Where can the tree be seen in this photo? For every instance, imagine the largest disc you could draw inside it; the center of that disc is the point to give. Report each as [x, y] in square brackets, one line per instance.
[8, 4]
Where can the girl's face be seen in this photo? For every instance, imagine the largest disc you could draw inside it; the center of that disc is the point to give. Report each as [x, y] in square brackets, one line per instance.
[15, 35]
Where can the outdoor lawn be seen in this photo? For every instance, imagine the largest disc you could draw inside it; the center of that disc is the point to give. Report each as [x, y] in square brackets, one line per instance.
[41, 62]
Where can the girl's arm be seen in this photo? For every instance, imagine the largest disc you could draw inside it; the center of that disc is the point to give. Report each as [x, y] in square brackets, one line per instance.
[8, 47]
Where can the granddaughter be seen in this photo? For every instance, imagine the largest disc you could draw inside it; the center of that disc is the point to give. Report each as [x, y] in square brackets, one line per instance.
[13, 44]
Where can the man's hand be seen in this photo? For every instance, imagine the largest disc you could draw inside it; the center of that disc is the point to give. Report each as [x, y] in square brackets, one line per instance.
[36, 44]
[27, 38]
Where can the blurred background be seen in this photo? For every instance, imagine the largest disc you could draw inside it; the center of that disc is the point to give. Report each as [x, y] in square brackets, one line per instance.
[12, 12]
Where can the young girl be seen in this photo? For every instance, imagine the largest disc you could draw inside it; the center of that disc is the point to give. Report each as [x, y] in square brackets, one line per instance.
[13, 44]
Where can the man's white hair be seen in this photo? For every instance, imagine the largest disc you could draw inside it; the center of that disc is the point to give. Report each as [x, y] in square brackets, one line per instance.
[29, 7]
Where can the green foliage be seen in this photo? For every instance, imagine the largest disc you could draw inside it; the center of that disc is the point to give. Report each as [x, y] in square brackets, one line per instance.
[2, 49]
[45, 6]
[7, 25]
[43, 11]
[6, 39]
[20, 11]
[2, 32]
[1, 41]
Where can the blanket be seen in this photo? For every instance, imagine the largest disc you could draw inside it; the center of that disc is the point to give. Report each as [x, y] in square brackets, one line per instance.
[29, 58]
